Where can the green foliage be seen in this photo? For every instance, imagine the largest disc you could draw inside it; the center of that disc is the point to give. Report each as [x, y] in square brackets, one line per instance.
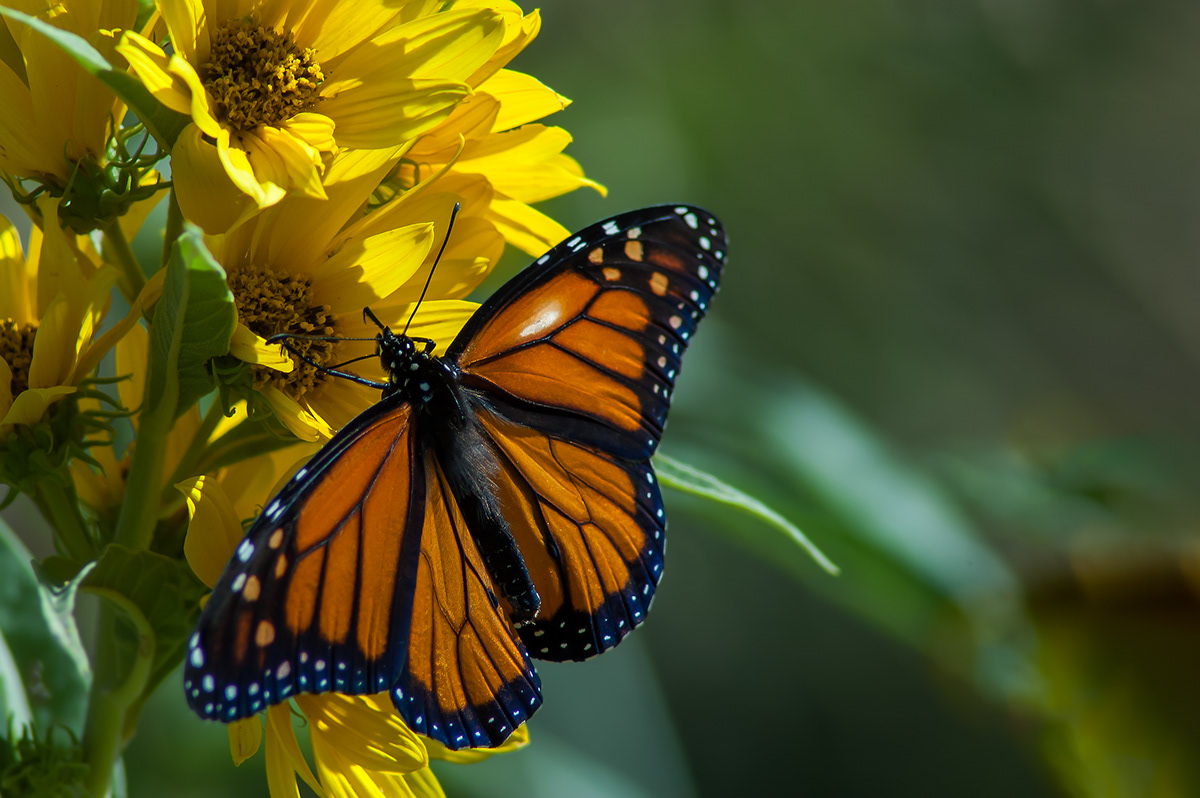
[683, 477]
[160, 595]
[193, 322]
[38, 626]
[162, 123]
[40, 768]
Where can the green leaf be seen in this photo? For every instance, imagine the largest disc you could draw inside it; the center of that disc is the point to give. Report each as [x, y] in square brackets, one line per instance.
[14, 706]
[162, 590]
[674, 474]
[890, 503]
[193, 322]
[162, 123]
[39, 628]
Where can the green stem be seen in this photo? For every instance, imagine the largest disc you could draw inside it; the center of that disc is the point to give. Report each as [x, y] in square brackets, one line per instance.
[119, 252]
[60, 507]
[140, 507]
[110, 701]
[174, 227]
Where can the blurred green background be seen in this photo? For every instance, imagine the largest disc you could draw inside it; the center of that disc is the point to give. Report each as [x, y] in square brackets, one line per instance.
[956, 343]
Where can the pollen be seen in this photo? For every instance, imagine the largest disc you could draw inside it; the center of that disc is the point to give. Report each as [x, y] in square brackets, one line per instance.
[259, 76]
[16, 347]
[271, 302]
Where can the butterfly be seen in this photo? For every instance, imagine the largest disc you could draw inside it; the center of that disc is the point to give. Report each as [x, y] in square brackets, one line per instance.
[497, 504]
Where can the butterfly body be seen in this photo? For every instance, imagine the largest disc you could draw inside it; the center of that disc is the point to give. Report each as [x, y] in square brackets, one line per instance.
[497, 502]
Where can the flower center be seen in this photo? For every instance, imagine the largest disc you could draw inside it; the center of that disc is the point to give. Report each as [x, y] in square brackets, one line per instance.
[260, 77]
[269, 303]
[16, 347]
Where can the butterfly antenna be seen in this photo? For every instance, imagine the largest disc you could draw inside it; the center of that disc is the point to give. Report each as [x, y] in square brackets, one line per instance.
[446, 240]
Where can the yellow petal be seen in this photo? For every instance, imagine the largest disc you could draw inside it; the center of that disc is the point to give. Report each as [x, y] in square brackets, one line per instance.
[152, 66]
[519, 739]
[257, 170]
[199, 107]
[446, 46]
[214, 530]
[389, 109]
[519, 31]
[423, 784]
[54, 345]
[206, 194]
[365, 730]
[25, 151]
[302, 423]
[523, 98]
[283, 756]
[185, 19]
[339, 401]
[436, 319]
[31, 404]
[526, 164]
[133, 356]
[316, 130]
[301, 163]
[333, 28]
[250, 347]
[525, 228]
[18, 283]
[364, 271]
[245, 736]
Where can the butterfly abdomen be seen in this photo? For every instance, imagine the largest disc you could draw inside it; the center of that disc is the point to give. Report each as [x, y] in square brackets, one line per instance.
[470, 468]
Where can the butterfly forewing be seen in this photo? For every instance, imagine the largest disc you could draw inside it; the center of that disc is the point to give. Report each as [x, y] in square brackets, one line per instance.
[318, 596]
[587, 343]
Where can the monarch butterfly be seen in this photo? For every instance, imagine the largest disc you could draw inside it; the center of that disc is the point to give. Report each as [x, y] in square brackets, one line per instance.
[497, 503]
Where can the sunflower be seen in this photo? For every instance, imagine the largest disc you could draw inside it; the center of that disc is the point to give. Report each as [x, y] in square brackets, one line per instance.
[55, 114]
[52, 301]
[298, 268]
[275, 89]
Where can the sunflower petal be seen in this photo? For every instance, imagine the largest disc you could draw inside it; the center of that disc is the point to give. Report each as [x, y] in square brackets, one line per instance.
[365, 730]
[214, 530]
[31, 404]
[523, 99]
[245, 737]
[364, 271]
[153, 67]
[250, 347]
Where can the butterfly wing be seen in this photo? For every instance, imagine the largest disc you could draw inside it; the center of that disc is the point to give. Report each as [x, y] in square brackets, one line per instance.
[573, 364]
[468, 680]
[319, 592]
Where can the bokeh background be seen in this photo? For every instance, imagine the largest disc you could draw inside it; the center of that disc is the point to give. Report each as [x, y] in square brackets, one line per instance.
[956, 343]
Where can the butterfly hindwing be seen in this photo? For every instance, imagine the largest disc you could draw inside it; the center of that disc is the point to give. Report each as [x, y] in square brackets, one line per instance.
[587, 342]
[318, 595]
[468, 680]
[591, 529]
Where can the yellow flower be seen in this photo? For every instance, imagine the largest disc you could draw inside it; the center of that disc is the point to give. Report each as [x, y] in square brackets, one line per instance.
[275, 89]
[51, 304]
[55, 114]
[360, 744]
[294, 268]
[490, 139]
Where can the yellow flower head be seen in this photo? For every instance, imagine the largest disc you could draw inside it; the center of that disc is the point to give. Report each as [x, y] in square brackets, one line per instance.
[51, 302]
[275, 89]
[55, 114]
[360, 744]
[309, 267]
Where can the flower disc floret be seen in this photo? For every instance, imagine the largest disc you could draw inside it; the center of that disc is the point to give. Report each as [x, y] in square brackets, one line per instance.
[16, 348]
[257, 76]
[270, 302]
